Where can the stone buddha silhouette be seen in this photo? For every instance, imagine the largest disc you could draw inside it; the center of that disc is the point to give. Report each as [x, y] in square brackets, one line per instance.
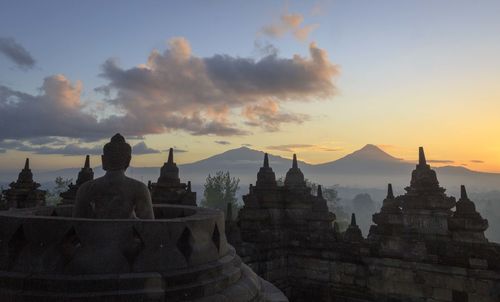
[114, 195]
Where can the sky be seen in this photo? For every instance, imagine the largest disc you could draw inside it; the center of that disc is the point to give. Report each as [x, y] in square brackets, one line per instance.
[320, 79]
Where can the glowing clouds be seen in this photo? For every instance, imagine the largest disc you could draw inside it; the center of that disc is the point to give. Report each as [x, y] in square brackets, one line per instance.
[177, 90]
[289, 23]
[267, 115]
[174, 90]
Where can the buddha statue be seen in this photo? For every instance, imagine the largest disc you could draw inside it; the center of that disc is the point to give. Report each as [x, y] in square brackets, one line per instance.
[114, 195]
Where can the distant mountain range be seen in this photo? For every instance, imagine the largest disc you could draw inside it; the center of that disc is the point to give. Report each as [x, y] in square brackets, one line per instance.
[369, 167]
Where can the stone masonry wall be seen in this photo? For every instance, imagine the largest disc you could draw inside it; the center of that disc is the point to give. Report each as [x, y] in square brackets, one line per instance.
[391, 280]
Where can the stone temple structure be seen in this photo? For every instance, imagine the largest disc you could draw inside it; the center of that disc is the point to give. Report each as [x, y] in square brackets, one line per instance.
[389, 221]
[178, 253]
[418, 250]
[466, 224]
[353, 232]
[425, 206]
[24, 192]
[182, 255]
[115, 244]
[85, 174]
[277, 223]
[3, 203]
[169, 189]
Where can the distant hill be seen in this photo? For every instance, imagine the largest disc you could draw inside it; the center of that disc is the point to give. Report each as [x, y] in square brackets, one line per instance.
[368, 160]
[372, 167]
[369, 167]
[241, 162]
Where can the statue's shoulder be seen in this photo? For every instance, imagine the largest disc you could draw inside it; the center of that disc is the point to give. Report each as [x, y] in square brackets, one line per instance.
[135, 183]
[94, 182]
[85, 188]
[88, 185]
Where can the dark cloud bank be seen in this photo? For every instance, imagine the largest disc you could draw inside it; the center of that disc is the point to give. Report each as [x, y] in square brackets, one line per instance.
[66, 149]
[173, 90]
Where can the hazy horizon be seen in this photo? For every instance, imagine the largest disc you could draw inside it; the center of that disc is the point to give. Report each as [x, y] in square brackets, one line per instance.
[95, 160]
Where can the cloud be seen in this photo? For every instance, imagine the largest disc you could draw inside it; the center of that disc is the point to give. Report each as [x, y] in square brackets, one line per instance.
[264, 49]
[303, 33]
[286, 23]
[330, 149]
[440, 161]
[289, 23]
[56, 111]
[177, 150]
[142, 148]
[223, 142]
[12, 144]
[289, 148]
[268, 116]
[293, 147]
[247, 145]
[177, 90]
[298, 78]
[320, 7]
[173, 90]
[16, 52]
[476, 161]
[44, 140]
[68, 149]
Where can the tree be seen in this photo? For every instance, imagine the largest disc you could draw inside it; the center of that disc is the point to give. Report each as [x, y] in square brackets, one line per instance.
[220, 190]
[363, 202]
[61, 185]
[364, 207]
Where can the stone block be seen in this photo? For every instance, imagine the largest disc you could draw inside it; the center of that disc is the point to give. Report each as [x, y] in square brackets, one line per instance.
[442, 294]
[478, 263]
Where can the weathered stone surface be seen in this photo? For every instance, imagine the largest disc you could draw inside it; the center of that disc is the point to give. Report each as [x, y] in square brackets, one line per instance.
[114, 195]
[169, 189]
[104, 253]
[466, 224]
[418, 249]
[353, 232]
[24, 192]
[425, 206]
[85, 174]
[68, 259]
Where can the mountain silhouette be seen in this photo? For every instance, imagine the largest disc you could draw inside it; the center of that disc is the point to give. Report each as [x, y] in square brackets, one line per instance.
[369, 153]
[368, 160]
[240, 161]
[368, 167]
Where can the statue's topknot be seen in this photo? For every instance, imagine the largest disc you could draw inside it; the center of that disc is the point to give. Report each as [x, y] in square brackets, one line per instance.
[116, 153]
[117, 138]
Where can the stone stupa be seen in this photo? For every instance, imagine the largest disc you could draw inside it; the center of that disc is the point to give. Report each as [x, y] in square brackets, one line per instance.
[24, 192]
[425, 206]
[389, 221]
[85, 174]
[466, 224]
[169, 189]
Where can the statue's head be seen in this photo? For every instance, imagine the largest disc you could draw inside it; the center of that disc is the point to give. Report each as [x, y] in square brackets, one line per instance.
[116, 154]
